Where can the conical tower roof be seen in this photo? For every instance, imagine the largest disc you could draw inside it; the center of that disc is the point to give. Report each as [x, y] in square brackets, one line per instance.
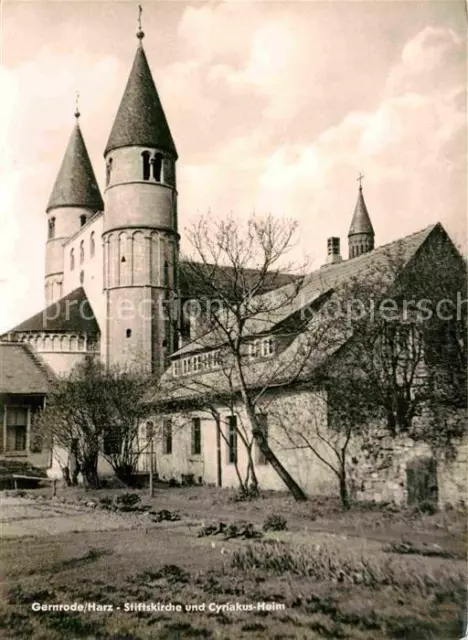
[76, 183]
[361, 222]
[140, 119]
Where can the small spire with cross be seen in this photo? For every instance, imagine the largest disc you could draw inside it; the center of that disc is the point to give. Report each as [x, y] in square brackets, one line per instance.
[77, 105]
[140, 33]
[360, 179]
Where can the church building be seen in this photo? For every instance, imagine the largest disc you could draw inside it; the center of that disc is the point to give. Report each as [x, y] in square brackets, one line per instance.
[112, 260]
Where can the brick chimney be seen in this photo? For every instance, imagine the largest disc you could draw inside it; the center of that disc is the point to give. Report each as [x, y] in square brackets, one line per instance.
[333, 251]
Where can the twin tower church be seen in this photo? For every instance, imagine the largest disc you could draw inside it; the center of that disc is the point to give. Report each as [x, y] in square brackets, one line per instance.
[111, 263]
[112, 268]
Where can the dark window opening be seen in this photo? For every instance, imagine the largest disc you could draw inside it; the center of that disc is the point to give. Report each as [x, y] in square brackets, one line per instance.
[157, 163]
[17, 418]
[146, 165]
[81, 277]
[51, 228]
[263, 425]
[92, 245]
[83, 219]
[128, 333]
[167, 437]
[82, 252]
[108, 171]
[196, 436]
[232, 440]
[123, 259]
[112, 443]
[166, 274]
[72, 260]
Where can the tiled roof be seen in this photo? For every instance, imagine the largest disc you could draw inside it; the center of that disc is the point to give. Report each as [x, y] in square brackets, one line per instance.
[76, 183]
[73, 313]
[140, 119]
[285, 302]
[22, 371]
[193, 277]
[361, 222]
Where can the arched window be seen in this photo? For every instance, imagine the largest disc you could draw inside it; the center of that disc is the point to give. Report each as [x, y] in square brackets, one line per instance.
[51, 228]
[108, 171]
[166, 273]
[83, 219]
[146, 165]
[157, 163]
[82, 252]
[92, 245]
[72, 259]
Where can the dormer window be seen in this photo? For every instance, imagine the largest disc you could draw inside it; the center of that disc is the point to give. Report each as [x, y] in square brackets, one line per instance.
[268, 347]
[157, 163]
[82, 252]
[83, 219]
[51, 228]
[72, 259]
[146, 165]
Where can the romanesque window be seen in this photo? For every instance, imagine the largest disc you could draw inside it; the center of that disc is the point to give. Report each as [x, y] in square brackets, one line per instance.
[83, 219]
[157, 163]
[51, 228]
[232, 440]
[82, 252]
[128, 333]
[17, 426]
[146, 165]
[108, 171]
[262, 420]
[72, 259]
[92, 245]
[167, 436]
[166, 274]
[196, 436]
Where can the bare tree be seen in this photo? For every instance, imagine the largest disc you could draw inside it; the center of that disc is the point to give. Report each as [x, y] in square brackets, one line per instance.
[248, 285]
[97, 411]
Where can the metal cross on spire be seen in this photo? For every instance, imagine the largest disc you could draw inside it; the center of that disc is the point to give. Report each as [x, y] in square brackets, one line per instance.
[360, 178]
[140, 33]
[77, 105]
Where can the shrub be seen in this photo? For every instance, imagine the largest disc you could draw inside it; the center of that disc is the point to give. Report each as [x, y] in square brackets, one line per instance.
[275, 522]
[128, 499]
[427, 507]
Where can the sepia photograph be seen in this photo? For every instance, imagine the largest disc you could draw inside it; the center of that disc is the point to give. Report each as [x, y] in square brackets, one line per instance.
[233, 320]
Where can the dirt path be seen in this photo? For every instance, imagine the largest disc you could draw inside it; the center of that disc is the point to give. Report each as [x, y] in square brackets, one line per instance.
[21, 517]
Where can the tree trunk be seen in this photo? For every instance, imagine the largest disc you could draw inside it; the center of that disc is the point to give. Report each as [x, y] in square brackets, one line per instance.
[296, 491]
[90, 473]
[344, 497]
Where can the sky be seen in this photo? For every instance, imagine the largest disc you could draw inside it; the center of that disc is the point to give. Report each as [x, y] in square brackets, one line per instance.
[275, 107]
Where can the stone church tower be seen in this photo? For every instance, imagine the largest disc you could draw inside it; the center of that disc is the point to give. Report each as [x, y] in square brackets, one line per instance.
[74, 199]
[361, 233]
[140, 237]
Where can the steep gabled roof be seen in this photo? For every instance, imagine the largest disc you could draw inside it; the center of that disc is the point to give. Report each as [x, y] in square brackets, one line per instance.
[73, 313]
[361, 222]
[140, 119]
[193, 276]
[315, 285]
[76, 183]
[21, 371]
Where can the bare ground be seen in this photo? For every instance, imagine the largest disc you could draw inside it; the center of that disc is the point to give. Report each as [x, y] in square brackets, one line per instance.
[329, 574]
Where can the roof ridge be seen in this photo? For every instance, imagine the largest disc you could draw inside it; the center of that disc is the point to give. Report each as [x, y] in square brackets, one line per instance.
[39, 361]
